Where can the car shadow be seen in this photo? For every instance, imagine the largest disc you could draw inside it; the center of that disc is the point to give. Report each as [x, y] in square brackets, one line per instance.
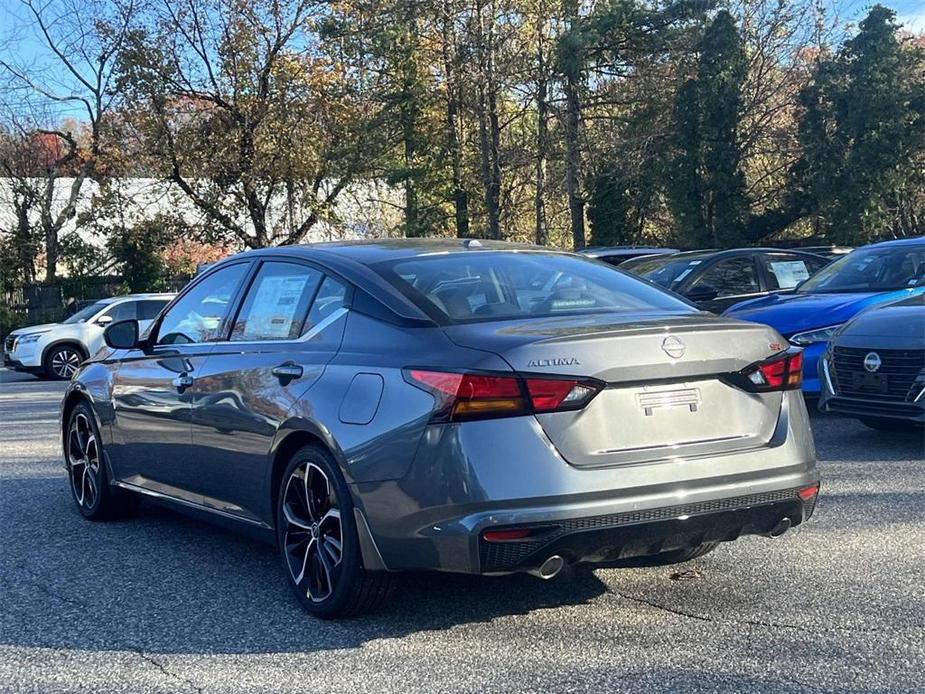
[162, 582]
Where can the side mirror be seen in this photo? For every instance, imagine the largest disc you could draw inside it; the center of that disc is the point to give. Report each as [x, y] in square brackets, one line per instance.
[702, 292]
[122, 335]
[104, 320]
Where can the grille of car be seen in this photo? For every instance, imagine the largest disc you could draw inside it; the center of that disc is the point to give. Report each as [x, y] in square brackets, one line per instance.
[900, 377]
[501, 556]
[10, 339]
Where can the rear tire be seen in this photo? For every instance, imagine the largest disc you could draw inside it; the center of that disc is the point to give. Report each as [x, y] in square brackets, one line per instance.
[318, 542]
[673, 556]
[88, 473]
[889, 424]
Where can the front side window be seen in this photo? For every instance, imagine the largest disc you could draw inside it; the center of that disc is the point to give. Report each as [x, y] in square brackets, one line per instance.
[197, 316]
[276, 303]
[486, 285]
[730, 277]
[871, 270]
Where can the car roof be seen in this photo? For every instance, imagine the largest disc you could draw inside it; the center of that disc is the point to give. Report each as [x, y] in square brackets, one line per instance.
[368, 252]
[601, 251]
[712, 252]
[913, 241]
[128, 297]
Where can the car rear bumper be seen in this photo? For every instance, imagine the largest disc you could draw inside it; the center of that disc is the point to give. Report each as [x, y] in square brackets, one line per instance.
[504, 474]
[603, 539]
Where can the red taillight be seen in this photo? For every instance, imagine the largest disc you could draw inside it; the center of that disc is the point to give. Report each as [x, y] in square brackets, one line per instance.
[784, 372]
[464, 396]
[557, 394]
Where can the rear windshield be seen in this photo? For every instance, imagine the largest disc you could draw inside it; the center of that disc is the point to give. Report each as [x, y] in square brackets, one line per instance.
[666, 270]
[485, 285]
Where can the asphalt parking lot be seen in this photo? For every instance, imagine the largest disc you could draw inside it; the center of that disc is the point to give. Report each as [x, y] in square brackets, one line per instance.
[164, 603]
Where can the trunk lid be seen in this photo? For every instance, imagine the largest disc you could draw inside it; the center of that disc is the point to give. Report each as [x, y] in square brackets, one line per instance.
[664, 398]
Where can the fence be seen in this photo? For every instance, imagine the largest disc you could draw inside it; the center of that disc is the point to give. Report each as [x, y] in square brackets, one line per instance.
[49, 303]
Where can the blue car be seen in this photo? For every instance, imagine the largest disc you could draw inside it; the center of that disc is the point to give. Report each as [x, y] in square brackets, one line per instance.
[810, 315]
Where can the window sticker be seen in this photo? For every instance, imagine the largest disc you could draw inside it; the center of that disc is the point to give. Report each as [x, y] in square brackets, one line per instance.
[789, 273]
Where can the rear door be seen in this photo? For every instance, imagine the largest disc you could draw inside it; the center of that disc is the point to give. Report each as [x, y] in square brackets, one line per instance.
[289, 326]
[151, 390]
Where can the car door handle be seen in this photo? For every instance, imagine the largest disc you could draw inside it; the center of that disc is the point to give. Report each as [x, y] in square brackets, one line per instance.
[182, 382]
[287, 372]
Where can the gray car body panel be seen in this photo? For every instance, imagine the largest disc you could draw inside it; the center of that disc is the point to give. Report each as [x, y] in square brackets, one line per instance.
[425, 490]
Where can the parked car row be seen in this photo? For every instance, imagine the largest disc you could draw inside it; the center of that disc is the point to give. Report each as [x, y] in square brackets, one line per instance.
[859, 360]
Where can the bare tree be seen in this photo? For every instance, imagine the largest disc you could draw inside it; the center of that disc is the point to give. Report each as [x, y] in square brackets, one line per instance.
[60, 100]
[239, 107]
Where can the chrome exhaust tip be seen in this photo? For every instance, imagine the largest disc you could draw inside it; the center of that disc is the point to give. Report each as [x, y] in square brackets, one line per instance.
[779, 529]
[549, 568]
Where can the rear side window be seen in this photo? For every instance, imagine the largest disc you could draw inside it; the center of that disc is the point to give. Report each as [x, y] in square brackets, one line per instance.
[197, 316]
[484, 285]
[123, 311]
[149, 308]
[276, 302]
[330, 297]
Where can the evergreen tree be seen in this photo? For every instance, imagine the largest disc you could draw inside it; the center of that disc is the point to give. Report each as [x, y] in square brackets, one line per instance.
[863, 129]
[722, 71]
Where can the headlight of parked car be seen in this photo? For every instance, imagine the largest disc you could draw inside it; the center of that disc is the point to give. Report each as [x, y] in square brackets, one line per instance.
[27, 339]
[812, 336]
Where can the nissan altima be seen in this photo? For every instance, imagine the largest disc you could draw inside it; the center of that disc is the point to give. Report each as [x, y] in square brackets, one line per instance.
[463, 406]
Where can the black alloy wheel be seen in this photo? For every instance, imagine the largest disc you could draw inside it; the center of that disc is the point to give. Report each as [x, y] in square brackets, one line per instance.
[318, 542]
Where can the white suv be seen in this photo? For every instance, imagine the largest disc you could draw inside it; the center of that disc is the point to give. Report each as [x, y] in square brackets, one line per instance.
[55, 350]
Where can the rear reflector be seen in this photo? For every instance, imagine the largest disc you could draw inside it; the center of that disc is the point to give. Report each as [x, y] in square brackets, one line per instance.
[506, 535]
[467, 396]
[809, 493]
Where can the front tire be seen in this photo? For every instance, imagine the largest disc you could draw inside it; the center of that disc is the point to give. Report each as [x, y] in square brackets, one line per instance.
[318, 542]
[62, 362]
[88, 475]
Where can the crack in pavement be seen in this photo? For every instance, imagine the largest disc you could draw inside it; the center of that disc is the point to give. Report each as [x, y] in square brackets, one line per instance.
[749, 622]
[38, 583]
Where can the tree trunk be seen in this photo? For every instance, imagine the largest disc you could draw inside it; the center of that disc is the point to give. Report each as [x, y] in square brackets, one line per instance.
[542, 131]
[489, 130]
[453, 101]
[576, 204]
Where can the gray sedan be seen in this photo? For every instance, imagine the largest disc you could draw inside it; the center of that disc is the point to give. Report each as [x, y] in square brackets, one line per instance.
[874, 367]
[445, 405]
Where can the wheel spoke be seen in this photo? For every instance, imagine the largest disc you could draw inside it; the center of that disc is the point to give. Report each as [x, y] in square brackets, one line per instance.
[293, 519]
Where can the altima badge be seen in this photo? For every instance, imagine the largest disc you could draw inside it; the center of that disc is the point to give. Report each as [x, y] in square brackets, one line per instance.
[674, 347]
[872, 362]
[561, 361]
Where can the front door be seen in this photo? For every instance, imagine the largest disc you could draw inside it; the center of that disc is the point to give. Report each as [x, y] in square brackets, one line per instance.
[151, 390]
[289, 327]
